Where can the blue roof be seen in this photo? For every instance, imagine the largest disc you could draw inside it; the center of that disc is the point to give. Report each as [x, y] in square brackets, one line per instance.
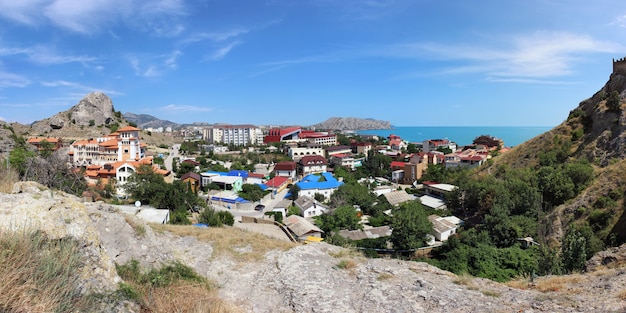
[263, 187]
[215, 172]
[229, 200]
[240, 173]
[312, 181]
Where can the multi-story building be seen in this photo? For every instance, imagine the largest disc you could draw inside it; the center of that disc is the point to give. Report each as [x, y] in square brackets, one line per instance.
[238, 135]
[297, 152]
[121, 145]
[434, 144]
[319, 138]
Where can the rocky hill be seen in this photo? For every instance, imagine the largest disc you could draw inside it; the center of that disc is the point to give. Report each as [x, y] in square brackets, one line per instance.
[148, 121]
[90, 117]
[352, 123]
[304, 278]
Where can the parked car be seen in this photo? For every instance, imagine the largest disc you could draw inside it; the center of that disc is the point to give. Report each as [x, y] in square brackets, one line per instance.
[259, 207]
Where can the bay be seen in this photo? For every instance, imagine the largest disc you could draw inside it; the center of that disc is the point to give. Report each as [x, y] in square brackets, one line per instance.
[462, 135]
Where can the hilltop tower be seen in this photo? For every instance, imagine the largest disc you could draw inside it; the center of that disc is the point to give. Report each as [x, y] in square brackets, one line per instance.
[619, 66]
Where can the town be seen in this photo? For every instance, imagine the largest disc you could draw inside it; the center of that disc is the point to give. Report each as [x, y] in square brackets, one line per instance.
[289, 183]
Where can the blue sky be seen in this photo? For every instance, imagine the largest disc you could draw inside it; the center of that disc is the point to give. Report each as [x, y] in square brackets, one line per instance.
[297, 62]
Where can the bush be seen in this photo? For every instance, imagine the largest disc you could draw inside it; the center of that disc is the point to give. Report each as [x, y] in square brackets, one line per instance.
[216, 219]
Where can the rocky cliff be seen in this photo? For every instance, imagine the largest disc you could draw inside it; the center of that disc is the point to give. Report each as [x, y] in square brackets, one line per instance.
[352, 123]
[305, 278]
[89, 115]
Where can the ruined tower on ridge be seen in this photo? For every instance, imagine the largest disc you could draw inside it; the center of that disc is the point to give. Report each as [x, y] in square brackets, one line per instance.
[619, 66]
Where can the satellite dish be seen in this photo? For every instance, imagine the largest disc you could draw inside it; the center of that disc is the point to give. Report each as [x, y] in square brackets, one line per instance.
[137, 203]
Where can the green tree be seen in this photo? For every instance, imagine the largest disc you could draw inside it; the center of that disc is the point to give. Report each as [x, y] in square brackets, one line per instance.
[251, 192]
[46, 148]
[613, 101]
[573, 251]
[411, 148]
[344, 217]
[410, 226]
[293, 192]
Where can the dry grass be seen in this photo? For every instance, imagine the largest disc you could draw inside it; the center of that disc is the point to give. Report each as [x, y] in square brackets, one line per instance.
[136, 224]
[385, 276]
[185, 297]
[241, 245]
[622, 295]
[557, 283]
[465, 280]
[347, 264]
[40, 275]
[7, 178]
[174, 287]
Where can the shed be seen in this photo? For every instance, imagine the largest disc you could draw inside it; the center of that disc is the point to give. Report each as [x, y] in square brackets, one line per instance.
[301, 227]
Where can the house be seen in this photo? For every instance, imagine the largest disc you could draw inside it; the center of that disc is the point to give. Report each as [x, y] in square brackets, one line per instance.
[278, 183]
[346, 161]
[312, 164]
[442, 228]
[527, 242]
[370, 233]
[193, 180]
[432, 202]
[54, 143]
[118, 173]
[301, 227]
[396, 143]
[361, 148]
[233, 183]
[282, 206]
[285, 169]
[431, 145]
[297, 152]
[309, 207]
[438, 190]
[330, 151]
[398, 197]
[324, 184]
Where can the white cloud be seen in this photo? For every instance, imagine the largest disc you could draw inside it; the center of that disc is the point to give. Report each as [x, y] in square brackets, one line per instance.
[22, 11]
[222, 52]
[538, 55]
[161, 17]
[77, 86]
[13, 80]
[45, 55]
[185, 108]
[214, 36]
[171, 60]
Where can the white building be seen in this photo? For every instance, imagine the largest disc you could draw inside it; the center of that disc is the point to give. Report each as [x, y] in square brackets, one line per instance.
[238, 135]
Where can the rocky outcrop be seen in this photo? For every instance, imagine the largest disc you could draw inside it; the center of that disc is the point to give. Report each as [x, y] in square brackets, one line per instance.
[95, 109]
[352, 123]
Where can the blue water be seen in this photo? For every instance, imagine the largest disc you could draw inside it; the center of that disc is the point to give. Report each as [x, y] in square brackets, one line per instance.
[463, 135]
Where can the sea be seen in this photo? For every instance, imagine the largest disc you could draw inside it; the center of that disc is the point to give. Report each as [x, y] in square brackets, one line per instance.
[462, 135]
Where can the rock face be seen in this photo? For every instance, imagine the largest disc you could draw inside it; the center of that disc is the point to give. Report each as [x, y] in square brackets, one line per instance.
[352, 123]
[95, 109]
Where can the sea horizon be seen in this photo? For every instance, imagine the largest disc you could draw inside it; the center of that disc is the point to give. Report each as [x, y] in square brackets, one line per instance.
[461, 135]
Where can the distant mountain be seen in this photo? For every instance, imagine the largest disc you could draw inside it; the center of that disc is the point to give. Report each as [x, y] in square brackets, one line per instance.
[148, 121]
[352, 123]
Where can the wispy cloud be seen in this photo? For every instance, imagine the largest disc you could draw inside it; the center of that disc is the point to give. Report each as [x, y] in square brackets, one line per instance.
[213, 36]
[185, 108]
[154, 65]
[222, 52]
[77, 86]
[13, 80]
[278, 65]
[45, 55]
[161, 17]
[535, 56]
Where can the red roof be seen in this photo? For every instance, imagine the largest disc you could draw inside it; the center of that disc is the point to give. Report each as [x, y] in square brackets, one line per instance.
[285, 166]
[397, 164]
[313, 159]
[277, 181]
[128, 129]
[256, 175]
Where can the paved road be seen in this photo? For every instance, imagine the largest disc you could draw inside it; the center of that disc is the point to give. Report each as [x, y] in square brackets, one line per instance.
[171, 156]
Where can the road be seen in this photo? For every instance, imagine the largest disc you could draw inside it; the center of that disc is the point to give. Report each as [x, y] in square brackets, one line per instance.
[170, 158]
